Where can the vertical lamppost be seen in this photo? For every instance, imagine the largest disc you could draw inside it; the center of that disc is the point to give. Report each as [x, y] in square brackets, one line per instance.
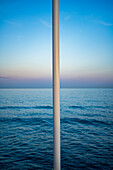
[56, 83]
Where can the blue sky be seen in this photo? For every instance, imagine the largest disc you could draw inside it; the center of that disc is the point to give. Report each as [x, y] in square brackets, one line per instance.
[86, 43]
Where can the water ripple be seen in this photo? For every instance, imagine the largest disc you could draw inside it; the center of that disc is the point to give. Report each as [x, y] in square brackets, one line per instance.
[25, 107]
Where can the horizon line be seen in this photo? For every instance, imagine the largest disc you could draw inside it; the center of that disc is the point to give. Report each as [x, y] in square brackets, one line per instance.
[52, 88]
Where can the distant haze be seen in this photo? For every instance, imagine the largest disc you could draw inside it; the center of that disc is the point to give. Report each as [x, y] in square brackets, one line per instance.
[86, 43]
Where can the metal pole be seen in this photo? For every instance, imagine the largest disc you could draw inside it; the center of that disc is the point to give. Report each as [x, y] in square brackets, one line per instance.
[56, 84]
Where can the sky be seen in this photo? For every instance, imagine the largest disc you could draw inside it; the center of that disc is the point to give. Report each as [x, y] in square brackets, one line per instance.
[86, 43]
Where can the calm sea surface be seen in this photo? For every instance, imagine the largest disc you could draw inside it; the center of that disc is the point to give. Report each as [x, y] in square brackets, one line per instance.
[26, 129]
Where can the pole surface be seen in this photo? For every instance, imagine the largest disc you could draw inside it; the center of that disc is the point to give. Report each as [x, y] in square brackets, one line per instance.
[56, 84]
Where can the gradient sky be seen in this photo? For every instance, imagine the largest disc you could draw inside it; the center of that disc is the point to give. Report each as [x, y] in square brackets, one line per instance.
[86, 43]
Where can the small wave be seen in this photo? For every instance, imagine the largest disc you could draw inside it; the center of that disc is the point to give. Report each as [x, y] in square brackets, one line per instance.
[25, 107]
[91, 115]
[76, 107]
[86, 107]
[26, 121]
[85, 121]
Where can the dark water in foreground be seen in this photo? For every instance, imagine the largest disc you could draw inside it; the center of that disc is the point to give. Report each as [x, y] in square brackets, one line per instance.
[26, 129]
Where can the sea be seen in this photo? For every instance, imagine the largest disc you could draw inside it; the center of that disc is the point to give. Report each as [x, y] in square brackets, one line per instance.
[26, 129]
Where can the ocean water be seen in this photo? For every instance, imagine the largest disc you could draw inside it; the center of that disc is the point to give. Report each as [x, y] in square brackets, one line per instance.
[26, 129]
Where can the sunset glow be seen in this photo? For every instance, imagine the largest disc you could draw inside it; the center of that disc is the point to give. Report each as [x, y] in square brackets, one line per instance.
[86, 41]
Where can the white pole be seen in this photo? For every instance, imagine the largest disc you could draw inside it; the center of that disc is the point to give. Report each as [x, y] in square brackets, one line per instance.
[56, 84]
